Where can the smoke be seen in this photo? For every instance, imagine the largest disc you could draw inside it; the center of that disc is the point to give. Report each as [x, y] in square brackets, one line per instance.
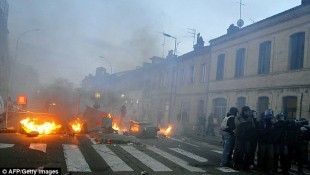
[74, 34]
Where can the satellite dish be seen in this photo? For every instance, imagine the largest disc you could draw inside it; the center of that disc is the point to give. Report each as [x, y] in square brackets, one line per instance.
[240, 23]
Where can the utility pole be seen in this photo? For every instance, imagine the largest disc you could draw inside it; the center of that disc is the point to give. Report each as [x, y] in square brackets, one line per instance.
[175, 42]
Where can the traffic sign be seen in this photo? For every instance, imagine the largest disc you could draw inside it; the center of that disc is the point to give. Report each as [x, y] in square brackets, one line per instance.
[21, 100]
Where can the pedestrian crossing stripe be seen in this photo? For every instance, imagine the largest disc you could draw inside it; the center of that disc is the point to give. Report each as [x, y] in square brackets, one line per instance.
[91, 139]
[227, 170]
[38, 146]
[145, 159]
[6, 145]
[175, 139]
[217, 151]
[115, 163]
[175, 160]
[74, 159]
[190, 155]
[76, 162]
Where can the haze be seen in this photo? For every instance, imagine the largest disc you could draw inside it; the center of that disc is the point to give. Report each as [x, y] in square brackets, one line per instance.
[74, 35]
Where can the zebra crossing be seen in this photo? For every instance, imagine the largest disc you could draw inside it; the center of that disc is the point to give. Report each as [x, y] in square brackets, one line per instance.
[75, 158]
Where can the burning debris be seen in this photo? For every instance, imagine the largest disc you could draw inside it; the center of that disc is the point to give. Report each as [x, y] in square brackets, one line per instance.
[166, 132]
[111, 124]
[143, 129]
[78, 126]
[36, 126]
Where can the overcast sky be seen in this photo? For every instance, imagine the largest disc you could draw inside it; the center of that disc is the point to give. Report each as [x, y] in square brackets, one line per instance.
[73, 34]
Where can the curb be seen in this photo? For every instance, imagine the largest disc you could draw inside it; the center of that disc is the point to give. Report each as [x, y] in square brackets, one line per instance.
[97, 138]
[6, 130]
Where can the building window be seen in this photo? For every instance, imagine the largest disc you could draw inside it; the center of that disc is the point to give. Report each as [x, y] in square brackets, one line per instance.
[240, 103]
[290, 107]
[296, 51]
[262, 104]
[203, 73]
[239, 67]
[220, 67]
[264, 57]
[219, 108]
[192, 75]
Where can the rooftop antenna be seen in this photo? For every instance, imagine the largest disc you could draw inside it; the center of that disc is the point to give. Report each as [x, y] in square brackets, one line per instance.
[240, 22]
[193, 34]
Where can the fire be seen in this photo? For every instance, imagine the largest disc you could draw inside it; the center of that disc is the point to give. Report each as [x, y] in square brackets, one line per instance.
[76, 125]
[166, 131]
[115, 126]
[33, 124]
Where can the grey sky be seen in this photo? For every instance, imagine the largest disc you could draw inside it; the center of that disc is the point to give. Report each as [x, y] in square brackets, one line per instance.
[74, 33]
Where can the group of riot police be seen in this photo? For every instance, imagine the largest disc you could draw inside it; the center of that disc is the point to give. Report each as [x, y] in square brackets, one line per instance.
[274, 139]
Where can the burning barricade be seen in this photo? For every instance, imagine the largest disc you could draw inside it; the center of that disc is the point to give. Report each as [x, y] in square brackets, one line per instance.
[111, 124]
[143, 129]
[33, 126]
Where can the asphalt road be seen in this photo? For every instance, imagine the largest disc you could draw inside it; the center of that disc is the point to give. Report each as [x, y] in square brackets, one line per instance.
[99, 153]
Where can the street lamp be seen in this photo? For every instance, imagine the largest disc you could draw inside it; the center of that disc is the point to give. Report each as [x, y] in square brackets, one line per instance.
[107, 61]
[175, 42]
[8, 99]
[20, 36]
[97, 96]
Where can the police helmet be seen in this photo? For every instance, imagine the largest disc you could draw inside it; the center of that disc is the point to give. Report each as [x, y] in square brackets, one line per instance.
[268, 111]
[281, 116]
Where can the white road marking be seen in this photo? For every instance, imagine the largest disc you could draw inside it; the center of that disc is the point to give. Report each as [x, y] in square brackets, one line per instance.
[74, 159]
[217, 151]
[145, 159]
[175, 160]
[91, 139]
[6, 145]
[227, 170]
[190, 155]
[38, 146]
[183, 142]
[115, 163]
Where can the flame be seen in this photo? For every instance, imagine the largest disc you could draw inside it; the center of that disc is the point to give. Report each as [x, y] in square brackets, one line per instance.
[115, 126]
[166, 131]
[109, 115]
[76, 125]
[33, 124]
[134, 128]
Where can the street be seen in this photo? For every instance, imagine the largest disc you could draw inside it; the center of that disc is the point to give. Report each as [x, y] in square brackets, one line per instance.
[117, 154]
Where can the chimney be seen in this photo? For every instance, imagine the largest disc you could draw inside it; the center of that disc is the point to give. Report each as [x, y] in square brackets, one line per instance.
[232, 28]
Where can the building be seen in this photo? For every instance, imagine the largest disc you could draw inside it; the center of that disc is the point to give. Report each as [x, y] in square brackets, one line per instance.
[263, 65]
[4, 53]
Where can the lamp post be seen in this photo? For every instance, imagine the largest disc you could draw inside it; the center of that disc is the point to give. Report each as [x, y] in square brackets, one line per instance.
[8, 99]
[107, 61]
[20, 36]
[175, 42]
